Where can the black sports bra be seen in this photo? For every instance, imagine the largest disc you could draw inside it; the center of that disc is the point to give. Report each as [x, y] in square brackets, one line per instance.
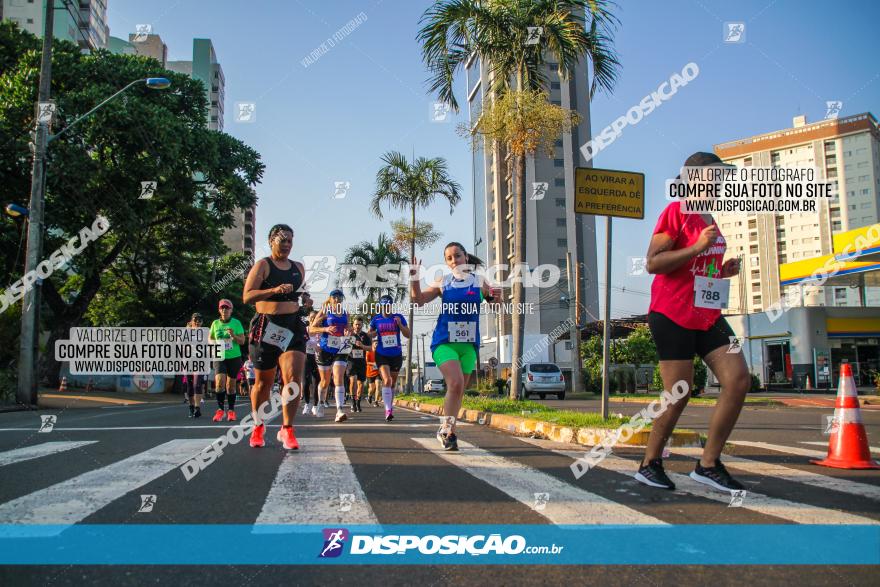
[279, 276]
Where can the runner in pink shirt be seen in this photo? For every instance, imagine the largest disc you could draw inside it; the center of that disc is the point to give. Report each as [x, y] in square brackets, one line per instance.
[690, 288]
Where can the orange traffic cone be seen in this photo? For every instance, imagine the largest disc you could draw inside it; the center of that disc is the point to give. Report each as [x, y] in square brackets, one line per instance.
[63, 385]
[848, 446]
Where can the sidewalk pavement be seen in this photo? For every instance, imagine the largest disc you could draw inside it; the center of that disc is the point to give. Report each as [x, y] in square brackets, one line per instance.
[812, 400]
[54, 399]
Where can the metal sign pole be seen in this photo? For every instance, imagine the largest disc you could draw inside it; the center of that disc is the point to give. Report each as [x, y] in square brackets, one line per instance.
[606, 339]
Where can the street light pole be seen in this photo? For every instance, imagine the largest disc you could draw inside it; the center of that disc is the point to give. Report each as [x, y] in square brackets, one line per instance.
[30, 313]
[30, 307]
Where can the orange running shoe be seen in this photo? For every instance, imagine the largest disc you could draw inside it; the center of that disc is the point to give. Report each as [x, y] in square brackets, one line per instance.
[230, 416]
[218, 415]
[257, 440]
[287, 438]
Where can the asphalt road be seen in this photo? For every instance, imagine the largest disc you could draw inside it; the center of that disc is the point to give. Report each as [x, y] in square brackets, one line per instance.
[108, 457]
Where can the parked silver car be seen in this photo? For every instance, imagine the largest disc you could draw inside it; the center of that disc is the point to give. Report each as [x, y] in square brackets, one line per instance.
[543, 379]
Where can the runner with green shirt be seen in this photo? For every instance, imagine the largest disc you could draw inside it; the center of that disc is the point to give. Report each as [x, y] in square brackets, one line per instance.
[228, 331]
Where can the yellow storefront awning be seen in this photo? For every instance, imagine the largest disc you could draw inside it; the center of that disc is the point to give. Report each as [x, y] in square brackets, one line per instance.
[862, 244]
[828, 270]
[851, 327]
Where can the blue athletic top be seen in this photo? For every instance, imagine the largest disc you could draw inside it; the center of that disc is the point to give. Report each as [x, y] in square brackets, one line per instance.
[333, 343]
[388, 334]
[459, 319]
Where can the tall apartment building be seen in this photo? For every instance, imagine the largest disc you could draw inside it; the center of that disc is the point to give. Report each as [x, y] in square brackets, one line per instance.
[205, 67]
[148, 45]
[83, 22]
[553, 229]
[847, 151]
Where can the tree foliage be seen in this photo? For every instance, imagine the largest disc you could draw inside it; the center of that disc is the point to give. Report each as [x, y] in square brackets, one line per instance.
[154, 265]
[524, 121]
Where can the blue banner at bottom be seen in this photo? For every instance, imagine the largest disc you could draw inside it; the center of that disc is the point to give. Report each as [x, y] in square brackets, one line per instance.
[147, 544]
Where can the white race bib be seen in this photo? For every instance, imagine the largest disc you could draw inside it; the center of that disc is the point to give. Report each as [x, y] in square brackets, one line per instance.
[389, 341]
[462, 331]
[711, 293]
[357, 353]
[227, 344]
[334, 342]
[277, 336]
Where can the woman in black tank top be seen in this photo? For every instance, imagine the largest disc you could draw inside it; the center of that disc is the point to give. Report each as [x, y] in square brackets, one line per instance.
[277, 333]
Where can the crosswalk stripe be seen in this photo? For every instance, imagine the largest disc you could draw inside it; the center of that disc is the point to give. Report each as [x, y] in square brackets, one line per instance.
[794, 450]
[73, 500]
[567, 504]
[27, 453]
[790, 474]
[214, 428]
[308, 489]
[770, 506]
[874, 449]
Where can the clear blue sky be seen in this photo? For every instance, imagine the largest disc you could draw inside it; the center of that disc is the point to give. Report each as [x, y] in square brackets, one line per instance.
[333, 120]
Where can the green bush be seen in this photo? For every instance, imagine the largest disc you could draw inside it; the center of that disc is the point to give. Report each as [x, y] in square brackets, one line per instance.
[8, 384]
[486, 388]
[701, 375]
[756, 383]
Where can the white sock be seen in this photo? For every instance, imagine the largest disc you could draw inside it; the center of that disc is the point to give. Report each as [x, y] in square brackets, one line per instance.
[322, 395]
[258, 420]
[388, 398]
[340, 396]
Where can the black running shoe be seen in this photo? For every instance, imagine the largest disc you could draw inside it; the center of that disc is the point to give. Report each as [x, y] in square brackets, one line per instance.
[653, 475]
[716, 477]
[448, 440]
[198, 413]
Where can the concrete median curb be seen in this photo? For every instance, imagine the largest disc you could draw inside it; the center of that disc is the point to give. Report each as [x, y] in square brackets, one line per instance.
[518, 425]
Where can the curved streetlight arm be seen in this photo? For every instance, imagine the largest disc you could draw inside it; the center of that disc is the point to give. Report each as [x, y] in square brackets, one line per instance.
[90, 112]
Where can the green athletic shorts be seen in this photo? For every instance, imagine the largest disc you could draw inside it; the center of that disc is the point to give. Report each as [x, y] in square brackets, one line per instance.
[463, 352]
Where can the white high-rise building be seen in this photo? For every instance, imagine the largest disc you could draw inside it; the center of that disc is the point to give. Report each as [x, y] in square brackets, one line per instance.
[83, 22]
[847, 150]
[553, 229]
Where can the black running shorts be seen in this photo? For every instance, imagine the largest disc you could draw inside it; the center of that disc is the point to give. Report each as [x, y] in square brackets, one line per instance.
[265, 355]
[677, 343]
[393, 362]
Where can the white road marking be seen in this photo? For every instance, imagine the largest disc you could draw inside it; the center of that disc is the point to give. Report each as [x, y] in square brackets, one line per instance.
[874, 449]
[769, 506]
[74, 500]
[567, 504]
[220, 428]
[794, 450]
[27, 453]
[791, 474]
[308, 487]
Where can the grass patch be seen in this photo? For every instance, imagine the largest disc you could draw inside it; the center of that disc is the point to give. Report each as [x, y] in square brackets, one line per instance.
[527, 409]
[694, 401]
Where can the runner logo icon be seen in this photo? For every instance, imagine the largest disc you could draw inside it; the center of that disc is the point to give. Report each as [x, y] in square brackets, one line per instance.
[334, 541]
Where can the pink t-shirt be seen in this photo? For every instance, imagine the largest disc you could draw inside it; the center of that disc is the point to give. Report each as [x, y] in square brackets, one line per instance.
[672, 294]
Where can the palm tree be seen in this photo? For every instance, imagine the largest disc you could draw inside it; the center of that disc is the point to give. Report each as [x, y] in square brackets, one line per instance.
[383, 252]
[408, 186]
[496, 31]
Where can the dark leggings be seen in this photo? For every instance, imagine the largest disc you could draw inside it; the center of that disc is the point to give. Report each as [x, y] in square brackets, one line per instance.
[310, 377]
[194, 385]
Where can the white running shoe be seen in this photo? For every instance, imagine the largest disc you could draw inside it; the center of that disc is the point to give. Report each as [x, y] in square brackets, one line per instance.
[340, 416]
[306, 409]
[320, 411]
[315, 410]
